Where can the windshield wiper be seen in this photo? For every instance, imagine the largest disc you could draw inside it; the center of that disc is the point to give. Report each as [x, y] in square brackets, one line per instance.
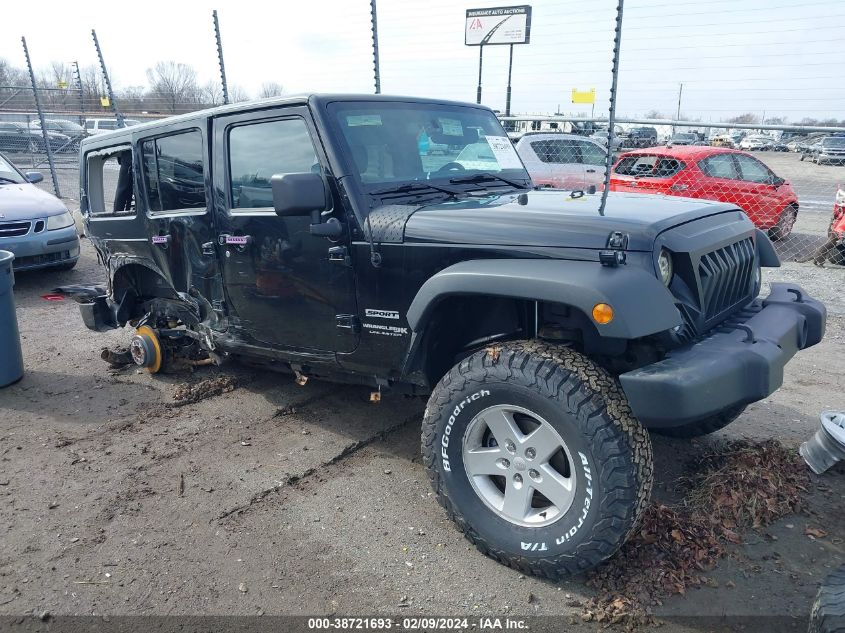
[416, 187]
[486, 177]
[4, 179]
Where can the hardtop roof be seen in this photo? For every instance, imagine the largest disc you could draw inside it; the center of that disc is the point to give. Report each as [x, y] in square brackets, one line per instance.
[125, 135]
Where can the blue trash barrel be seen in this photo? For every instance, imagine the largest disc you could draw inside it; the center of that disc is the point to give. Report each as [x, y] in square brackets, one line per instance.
[11, 359]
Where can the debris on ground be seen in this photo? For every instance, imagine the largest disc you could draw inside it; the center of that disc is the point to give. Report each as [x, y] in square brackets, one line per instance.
[748, 484]
[187, 393]
[116, 357]
[734, 487]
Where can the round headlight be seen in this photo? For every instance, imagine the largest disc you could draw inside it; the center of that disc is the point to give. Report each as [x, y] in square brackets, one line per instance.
[61, 221]
[758, 281]
[664, 265]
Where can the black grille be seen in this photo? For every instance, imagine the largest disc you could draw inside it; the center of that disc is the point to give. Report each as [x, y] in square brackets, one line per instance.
[14, 229]
[725, 276]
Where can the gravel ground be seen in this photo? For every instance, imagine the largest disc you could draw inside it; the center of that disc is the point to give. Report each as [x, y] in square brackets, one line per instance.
[263, 497]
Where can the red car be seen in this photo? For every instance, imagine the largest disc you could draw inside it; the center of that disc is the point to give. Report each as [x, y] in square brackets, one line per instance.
[712, 173]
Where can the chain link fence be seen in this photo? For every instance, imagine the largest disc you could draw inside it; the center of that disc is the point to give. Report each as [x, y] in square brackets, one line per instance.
[790, 183]
[782, 160]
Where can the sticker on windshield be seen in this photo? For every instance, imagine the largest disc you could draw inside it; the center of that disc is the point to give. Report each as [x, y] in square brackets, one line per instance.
[504, 152]
[451, 127]
[354, 120]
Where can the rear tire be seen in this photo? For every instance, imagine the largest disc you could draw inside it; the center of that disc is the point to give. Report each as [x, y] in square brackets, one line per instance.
[786, 222]
[702, 427]
[488, 408]
[828, 612]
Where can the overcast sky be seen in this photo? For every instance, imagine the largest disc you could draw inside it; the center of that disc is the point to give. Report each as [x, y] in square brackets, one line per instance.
[781, 57]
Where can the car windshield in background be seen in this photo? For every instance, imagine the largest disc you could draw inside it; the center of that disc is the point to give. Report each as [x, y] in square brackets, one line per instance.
[835, 141]
[648, 166]
[400, 142]
[685, 137]
[8, 173]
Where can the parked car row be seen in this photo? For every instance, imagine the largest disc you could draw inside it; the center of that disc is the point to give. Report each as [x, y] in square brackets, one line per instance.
[63, 136]
[828, 149]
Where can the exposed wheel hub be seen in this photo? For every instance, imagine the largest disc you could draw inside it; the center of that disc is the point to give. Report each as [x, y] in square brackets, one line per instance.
[145, 349]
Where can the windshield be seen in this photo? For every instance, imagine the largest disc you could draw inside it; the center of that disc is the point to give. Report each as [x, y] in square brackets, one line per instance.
[834, 142]
[684, 137]
[8, 173]
[393, 142]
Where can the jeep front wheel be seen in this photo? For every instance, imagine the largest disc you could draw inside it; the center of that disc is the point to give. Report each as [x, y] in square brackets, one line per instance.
[533, 451]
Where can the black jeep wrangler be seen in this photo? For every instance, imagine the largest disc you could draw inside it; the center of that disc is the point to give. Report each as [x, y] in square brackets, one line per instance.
[333, 237]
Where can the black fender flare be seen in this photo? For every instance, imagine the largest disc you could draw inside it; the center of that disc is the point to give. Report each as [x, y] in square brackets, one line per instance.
[642, 305]
[765, 251]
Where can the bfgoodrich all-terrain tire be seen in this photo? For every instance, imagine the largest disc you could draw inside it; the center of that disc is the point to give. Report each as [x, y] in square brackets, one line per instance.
[828, 612]
[533, 451]
[702, 427]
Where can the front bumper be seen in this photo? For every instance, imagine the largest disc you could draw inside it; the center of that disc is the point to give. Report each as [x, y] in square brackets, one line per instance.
[43, 249]
[739, 362]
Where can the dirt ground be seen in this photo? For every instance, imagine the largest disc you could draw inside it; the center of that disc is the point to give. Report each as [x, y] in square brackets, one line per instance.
[264, 497]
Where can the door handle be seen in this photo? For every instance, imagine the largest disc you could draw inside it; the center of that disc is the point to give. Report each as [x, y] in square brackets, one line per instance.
[240, 242]
[591, 171]
[234, 240]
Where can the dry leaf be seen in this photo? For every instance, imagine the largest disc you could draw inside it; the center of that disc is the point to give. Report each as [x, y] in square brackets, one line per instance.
[815, 532]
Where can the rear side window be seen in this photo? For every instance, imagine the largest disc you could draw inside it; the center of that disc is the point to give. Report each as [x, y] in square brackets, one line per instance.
[719, 166]
[649, 166]
[752, 170]
[558, 150]
[258, 151]
[592, 154]
[173, 172]
[109, 185]
[107, 125]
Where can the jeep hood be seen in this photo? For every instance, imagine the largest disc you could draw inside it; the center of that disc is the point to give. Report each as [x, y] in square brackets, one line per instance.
[555, 219]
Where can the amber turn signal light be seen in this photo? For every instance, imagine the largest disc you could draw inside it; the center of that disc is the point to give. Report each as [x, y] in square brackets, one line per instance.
[602, 313]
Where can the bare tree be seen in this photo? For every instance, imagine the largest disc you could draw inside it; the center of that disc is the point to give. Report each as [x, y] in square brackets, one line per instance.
[174, 85]
[271, 89]
[238, 94]
[656, 114]
[211, 94]
[13, 87]
[92, 87]
[748, 117]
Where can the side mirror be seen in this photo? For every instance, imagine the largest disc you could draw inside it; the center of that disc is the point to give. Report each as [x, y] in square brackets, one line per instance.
[777, 181]
[34, 176]
[298, 194]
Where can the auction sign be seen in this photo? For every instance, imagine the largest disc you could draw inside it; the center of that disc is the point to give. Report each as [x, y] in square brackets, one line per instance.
[499, 25]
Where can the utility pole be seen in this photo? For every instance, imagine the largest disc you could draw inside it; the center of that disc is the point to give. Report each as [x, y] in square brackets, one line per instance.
[611, 115]
[117, 113]
[678, 114]
[374, 22]
[220, 58]
[480, 62]
[41, 119]
[510, 69]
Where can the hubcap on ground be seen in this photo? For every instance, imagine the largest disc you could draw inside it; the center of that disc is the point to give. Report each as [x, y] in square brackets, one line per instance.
[519, 465]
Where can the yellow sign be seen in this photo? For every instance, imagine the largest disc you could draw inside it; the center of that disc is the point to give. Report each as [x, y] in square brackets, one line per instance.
[104, 101]
[62, 84]
[586, 96]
